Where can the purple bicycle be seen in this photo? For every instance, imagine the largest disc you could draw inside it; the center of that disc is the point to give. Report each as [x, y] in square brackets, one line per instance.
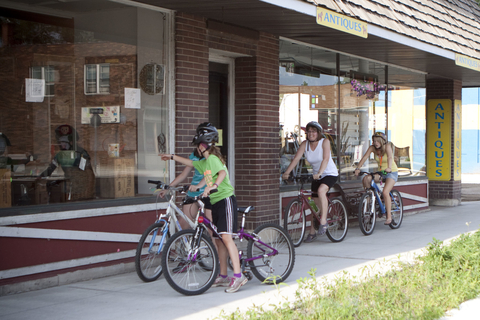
[190, 260]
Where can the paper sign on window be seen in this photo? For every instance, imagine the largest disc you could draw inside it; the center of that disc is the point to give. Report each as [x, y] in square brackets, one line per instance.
[34, 90]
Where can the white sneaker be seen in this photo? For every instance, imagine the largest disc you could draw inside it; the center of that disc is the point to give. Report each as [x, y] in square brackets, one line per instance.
[236, 283]
[221, 282]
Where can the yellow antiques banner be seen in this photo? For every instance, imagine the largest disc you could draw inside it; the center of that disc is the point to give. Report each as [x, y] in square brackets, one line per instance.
[467, 62]
[457, 140]
[439, 115]
[340, 22]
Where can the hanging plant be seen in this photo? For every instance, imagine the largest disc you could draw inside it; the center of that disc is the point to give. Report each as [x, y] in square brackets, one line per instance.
[369, 89]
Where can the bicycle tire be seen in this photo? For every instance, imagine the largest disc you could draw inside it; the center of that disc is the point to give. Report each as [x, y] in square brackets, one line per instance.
[397, 209]
[184, 273]
[273, 269]
[148, 257]
[337, 220]
[366, 213]
[294, 221]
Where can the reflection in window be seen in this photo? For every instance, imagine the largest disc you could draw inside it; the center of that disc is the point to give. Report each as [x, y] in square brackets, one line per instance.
[307, 93]
[350, 107]
[46, 73]
[97, 78]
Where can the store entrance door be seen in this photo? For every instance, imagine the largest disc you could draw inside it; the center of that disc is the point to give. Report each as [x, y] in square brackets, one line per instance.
[221, 106]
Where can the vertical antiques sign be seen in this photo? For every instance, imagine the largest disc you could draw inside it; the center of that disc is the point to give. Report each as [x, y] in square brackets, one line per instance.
[457, 140]
[439, 131]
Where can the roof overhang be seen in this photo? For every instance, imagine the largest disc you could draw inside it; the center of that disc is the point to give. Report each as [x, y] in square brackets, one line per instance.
[296, 20]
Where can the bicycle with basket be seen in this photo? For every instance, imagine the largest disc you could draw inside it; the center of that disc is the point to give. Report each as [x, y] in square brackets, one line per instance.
[372, 206]
[295, 221]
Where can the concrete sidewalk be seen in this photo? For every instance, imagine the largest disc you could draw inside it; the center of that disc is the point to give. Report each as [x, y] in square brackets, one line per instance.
[127, 297]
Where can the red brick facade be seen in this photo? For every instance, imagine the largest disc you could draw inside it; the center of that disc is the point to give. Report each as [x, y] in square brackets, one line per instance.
[256, 107]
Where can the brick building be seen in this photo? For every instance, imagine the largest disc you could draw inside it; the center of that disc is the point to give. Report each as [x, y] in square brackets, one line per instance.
[257, 69]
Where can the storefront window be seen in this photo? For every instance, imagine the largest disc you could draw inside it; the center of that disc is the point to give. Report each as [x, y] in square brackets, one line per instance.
[307, 93]
[362, 98]
[406, 120]
[362, 111]
[81, 123]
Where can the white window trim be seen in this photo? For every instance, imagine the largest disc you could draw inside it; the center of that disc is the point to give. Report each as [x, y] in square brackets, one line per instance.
[52, 83]
[97, 92]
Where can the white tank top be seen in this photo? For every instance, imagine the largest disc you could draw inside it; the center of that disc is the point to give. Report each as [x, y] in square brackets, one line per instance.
[316, 157]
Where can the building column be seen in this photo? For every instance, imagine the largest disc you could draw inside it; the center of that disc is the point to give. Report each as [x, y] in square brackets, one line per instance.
[443, 141]
[256, 126]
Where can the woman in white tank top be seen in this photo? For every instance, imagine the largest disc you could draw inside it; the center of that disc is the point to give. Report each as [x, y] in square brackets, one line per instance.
[317, 151]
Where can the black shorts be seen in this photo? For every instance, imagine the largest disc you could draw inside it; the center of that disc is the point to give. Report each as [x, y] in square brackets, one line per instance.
[327, 180]
[224, 215]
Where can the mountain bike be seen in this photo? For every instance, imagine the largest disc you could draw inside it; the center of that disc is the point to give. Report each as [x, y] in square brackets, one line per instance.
[149, 250]
[371, 205]
[295, 221]
[189, 253]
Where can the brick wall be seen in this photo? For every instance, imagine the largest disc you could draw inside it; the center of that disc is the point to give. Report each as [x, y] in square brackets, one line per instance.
[445, 192]
[256, 105]
[191, 85]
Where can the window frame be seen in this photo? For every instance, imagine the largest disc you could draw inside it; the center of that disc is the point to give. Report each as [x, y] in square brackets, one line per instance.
[98, 79]
[48, 84]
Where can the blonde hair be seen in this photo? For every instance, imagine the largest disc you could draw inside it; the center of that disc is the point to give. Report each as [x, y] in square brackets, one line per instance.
[382, 144]
[214, 150]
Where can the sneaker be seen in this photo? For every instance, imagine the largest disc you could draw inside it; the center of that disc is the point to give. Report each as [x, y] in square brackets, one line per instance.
[322, 229]
[221, 282]
[236, 283]
[311, 237]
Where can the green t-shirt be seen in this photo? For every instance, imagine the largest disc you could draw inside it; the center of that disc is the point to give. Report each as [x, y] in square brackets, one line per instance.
[210, 168]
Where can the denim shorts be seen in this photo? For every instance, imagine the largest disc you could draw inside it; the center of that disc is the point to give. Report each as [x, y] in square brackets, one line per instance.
[392, 175]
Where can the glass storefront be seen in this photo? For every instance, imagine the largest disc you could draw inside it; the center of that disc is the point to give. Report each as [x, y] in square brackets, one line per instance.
[84, 112]
[351, 103]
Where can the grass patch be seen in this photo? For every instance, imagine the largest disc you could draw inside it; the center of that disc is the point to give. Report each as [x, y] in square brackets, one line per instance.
[442, 279]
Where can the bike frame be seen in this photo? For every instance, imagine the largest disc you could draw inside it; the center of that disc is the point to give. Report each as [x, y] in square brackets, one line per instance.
[170, 214]
[303, 196]
[376, 192]
[205, 223]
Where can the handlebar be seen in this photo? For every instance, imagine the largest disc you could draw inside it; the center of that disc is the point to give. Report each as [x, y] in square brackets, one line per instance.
[160, 185]
[381, 173]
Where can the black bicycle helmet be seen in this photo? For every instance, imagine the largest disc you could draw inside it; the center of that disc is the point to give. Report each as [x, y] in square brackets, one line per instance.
[316, 125]
[206, 133]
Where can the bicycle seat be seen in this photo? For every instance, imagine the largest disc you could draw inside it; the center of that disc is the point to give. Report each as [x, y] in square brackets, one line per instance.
[245, 209]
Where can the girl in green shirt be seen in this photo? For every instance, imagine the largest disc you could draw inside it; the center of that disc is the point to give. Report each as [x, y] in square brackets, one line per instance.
[224, 203]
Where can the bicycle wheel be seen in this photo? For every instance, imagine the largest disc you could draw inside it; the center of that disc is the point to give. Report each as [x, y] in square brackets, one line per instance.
[184, 263]
[366, 213]
[294, 221]
[148, 257]
[337, 220]
[275, 268]
[397, 210]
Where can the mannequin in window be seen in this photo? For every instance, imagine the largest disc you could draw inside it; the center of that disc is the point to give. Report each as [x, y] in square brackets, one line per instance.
[75, 163]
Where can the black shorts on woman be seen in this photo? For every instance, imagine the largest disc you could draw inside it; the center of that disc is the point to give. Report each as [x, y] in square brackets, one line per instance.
[329, 181]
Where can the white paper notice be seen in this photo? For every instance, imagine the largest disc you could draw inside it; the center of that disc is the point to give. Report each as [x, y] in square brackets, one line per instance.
[34, 90]
[132, 98]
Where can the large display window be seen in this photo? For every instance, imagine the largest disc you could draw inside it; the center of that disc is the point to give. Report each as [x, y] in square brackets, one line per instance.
[351, 98]
[84, 110]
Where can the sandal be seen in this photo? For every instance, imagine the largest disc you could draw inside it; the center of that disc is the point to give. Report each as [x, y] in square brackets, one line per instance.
[322, 229]
[311, 237]
[388, 222]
